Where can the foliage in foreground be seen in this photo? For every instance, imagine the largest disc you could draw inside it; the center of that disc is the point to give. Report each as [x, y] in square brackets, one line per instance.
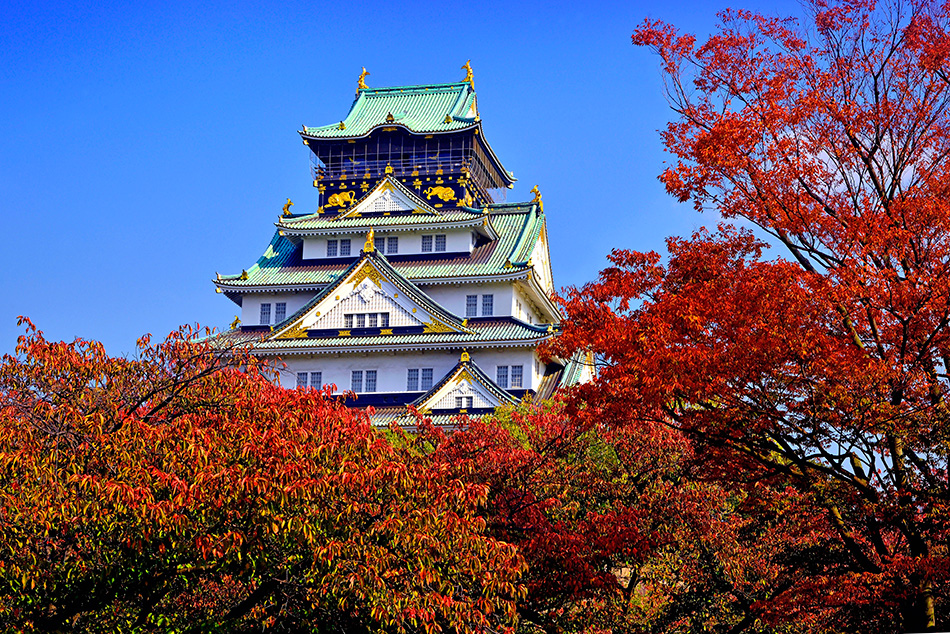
[174, 492]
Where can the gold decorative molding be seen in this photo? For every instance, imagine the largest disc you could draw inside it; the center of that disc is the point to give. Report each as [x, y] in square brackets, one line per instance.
[469, 75]
[386, 331]
[297, 331]
[537, 198]
[443, 193]
[341, 199]
[464, 376]
[464, 358]
[368, 271]
[361, 82]
[435, 326]
[369, 246]
[389, 169]
[344, 333]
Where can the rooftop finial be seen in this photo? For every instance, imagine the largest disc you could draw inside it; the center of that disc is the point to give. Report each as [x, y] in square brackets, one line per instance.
[287, 207]
[469, 77]
[537, 198]
[361, 84]
[464, 358]
[370, 245]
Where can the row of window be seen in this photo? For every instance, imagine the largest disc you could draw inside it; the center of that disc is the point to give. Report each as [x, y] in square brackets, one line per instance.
[514, 373]
[366, 320]
[357, 377]
[343, 247]
[417, 379]
[316, 380]
[280, 312]
[388, 245]
[471, 305]
[427, 243]
[339, 247]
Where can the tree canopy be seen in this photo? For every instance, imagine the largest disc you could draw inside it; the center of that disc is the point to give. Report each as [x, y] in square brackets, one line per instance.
[823, 378]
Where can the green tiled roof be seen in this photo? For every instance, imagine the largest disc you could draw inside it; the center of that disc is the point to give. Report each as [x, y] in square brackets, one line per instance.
[433, 108]
[516, 225]
[499, 332]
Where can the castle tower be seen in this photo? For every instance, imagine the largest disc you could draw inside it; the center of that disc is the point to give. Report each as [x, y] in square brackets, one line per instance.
[412, 282]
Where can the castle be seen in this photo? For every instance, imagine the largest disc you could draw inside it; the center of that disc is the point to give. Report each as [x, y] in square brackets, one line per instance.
[413, 283]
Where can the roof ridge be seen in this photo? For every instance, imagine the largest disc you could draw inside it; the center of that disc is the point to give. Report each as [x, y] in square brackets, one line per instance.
[444, 86]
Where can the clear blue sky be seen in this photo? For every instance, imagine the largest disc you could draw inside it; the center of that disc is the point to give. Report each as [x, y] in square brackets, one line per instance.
[145, 146]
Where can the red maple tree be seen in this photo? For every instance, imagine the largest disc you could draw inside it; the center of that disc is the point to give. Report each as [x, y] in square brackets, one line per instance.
[827, 375]
[183, 491]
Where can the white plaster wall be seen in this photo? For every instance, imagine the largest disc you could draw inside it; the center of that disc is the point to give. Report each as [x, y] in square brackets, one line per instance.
[391, 368]
[251, 305]
[316, 247]
[541, 258]
[489, 360]
[526, 312]
[452, 297]
[410, 242]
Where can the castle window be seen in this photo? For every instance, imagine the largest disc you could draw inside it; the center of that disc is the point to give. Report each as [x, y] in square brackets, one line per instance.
[392, 245]
[501, 376]
[280, 312]
[316, 380]
[345, 247]
[464, 402]
[514, 372]
[371, 380]
[517, 374]
[413, 382]
[265, 313]
[488, 302]
[379, 244]
[331, 248]
[471, 305]
[356, 380]
[427, 242]
[366, 320]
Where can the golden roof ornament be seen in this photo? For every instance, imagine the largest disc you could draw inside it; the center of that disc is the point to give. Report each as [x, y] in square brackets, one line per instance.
[469, 76]
[370, 245]
[287, 207]
[537, 198]
[464, 358]
[361, 82]
[236, 322]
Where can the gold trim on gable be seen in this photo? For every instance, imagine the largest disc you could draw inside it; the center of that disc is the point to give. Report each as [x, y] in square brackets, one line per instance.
[368, 271]
[297, 331]
[437, 326]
